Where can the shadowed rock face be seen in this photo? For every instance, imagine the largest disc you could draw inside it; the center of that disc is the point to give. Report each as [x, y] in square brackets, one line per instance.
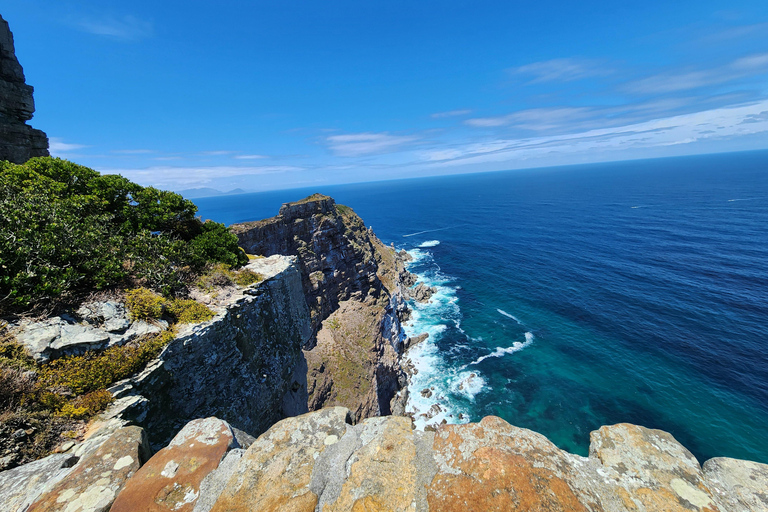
[355, 289]
[18, 141]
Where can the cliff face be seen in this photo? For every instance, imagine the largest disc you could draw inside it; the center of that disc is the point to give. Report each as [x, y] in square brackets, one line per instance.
[18, 141]
[354, 290]
[245, 365]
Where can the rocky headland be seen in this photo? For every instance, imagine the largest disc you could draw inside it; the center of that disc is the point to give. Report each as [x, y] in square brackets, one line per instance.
[18, 141]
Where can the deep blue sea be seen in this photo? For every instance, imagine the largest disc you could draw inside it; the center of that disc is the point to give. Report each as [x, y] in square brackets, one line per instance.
[575, 297]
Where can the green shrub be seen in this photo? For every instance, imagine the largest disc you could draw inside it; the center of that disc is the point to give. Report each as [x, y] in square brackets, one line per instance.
[143, 304]
[215, 276]
[66, 230]
[94, 371]
[188, 311]
[87, 406]
[247, 277]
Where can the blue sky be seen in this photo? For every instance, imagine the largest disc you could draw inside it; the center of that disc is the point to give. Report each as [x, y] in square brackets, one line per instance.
[266, 95]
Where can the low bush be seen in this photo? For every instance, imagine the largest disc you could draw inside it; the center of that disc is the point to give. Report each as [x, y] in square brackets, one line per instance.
[143, 304]
[247, 277]
[188, 311]
[94, 371]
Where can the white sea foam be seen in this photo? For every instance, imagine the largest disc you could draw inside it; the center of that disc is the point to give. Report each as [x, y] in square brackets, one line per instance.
[501, 351]
[430, 243]
[468, 384]
[433, 371]
[513, 317]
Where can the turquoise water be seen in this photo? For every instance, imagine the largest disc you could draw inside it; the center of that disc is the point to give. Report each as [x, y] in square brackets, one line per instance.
[575, 297]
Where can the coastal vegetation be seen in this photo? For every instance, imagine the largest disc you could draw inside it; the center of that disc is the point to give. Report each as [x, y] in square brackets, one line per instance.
[66, 230]
[70, 234]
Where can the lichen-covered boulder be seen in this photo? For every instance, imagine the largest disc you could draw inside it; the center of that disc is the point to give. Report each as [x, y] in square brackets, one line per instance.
[275, 473]
[737, 485]
[22, 485]
[97, 479]
[171, 479]
[652, 472]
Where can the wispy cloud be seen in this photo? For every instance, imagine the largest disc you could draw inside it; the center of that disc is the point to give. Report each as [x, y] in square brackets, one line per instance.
[561, 70]
[675, 81]
[124, 28]
[216, 153]
[191, 177]
[719, 123]
[362, 144]
[451, 113]
[249, 157]
[57, 146]
[537, 119]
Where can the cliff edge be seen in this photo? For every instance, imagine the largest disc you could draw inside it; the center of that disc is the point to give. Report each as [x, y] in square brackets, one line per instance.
[354, 287]
[18, 141]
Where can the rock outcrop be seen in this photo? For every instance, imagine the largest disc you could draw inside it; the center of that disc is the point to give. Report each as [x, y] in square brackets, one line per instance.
[355, 290]
[244, 366]
[18, 141]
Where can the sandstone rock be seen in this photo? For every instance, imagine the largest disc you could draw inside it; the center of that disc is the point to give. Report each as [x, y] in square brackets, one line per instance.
[213, 484]
[171, 479]
[737, 485]
[93, 484]
[388, 469]
[421, 292]
[20, 486]
[38, 336]
[239, 366]
[653, 472]
[78, 338]
[18, 141]
[276, 471]
[110, 315]
[415, 340]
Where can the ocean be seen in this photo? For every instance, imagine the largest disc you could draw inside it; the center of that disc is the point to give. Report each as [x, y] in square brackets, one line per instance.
[574, 297]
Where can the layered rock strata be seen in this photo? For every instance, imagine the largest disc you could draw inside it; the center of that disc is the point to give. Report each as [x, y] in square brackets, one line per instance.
[355, 289]
[244, 366]
[18, 141]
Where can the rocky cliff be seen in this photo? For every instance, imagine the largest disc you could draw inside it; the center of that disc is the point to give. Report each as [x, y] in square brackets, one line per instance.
[354, 287]
[322, 461]
[18, 141]
[245, 365]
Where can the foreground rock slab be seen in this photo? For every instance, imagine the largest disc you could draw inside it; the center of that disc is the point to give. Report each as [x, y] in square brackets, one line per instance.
[97, 479]
[171, 479]
[20, 486]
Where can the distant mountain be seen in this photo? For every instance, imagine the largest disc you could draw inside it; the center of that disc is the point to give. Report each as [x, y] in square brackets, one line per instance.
[193, 193]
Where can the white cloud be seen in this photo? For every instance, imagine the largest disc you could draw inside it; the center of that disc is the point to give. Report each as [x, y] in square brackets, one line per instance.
[719, 123]
[172, 177]
[451, 113]
[537, 119]
[561, 70]
[56, 146]
[674, 81]
[361, 144]
[125, 28]
[249, 157]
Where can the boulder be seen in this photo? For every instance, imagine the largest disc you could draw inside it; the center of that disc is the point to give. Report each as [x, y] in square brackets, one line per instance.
[97, 479]
[21, 486]
[276, 471]
[171, 479]
[650, 469]
[737, 485]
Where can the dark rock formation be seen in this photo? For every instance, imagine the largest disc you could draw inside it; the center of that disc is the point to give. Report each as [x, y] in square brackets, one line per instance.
[354, 287]
[18, 141]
